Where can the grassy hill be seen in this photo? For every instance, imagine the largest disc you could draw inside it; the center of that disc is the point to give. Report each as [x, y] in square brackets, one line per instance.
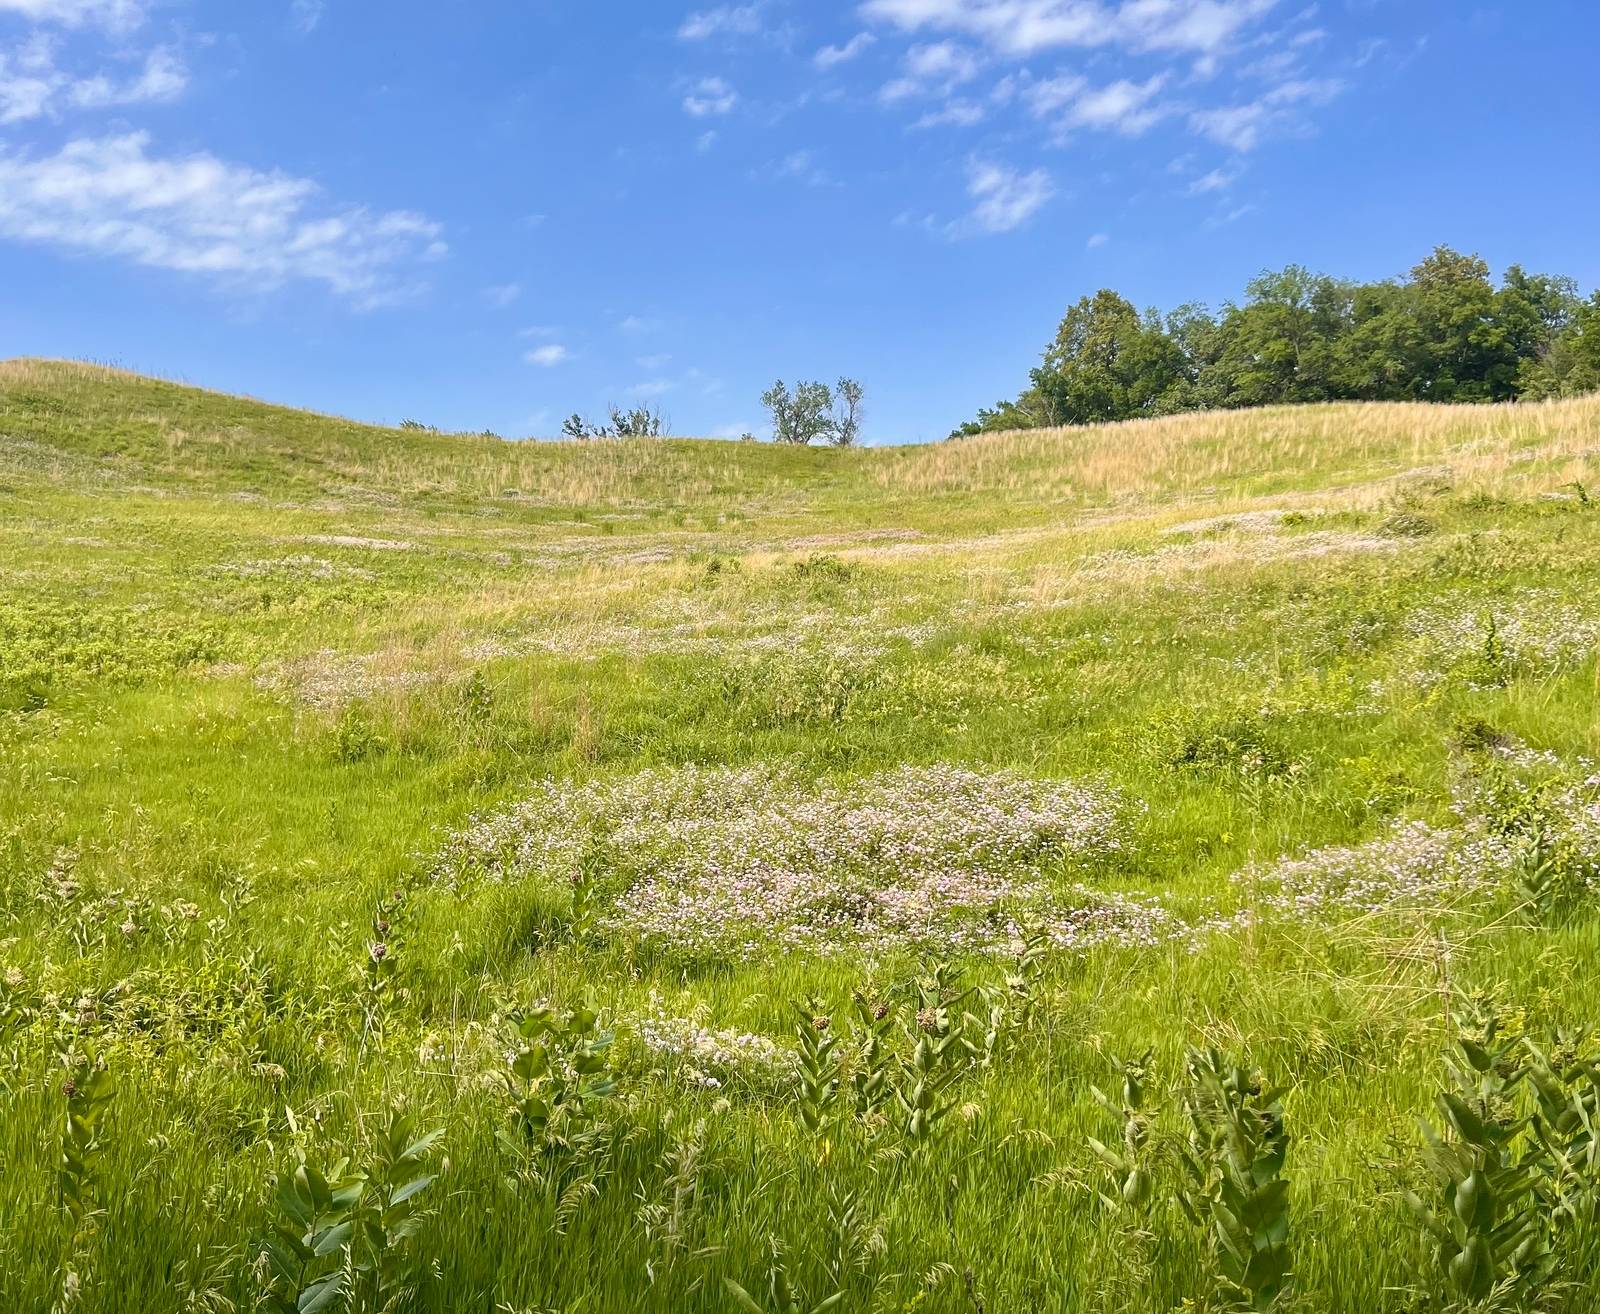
[1270, 732]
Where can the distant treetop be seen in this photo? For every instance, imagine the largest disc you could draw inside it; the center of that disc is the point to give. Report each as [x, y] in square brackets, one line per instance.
[1443, 333]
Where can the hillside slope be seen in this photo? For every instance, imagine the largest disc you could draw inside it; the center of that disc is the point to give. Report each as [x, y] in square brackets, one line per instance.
[1256, 717]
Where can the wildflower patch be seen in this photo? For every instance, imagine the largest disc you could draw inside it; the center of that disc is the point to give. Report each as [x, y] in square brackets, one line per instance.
[715, 859]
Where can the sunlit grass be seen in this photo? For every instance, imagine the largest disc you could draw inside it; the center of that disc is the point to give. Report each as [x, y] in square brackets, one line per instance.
[259, 671]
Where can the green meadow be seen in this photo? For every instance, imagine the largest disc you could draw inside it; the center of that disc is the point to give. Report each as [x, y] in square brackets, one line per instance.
[1142, 867]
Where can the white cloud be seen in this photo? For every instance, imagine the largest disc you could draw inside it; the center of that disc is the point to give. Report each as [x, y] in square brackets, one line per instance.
[1218, 180]
[1242, 127]
[549, 356]
[955, 114]
[1054, 94]
[502, 294]
[29, 81]
[163, 79]
[1123, 106]
[1238, 126]
[706, 140]
[1005, 198]
[802, 166]
[242, 227]
[832, 56]
[727, 20]
[306, 14]
[1205, 26]
[1027, 27]
[1097, 240]
[32, 86]
[117, 14]
[935, 69]
[1225, 217]
[654, 364]
[710, 96]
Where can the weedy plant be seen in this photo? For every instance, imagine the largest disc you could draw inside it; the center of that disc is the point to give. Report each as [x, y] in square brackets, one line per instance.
[817, 1070]
[1483, 1228]
[88, 1091]
[941, 1052]
[585, 909]
[1233, 1182]
[1132, 1166]
[1008, 1008]
[1027, 972]
[873, 1068]
[1551, 881]
[377, 976]
[560, 1070]
[302, 1267]
[1565, 1078]
[344, 1238]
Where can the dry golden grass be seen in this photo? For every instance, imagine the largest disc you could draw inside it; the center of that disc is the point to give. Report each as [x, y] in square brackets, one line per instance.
[1213, 458]
[1232, 451]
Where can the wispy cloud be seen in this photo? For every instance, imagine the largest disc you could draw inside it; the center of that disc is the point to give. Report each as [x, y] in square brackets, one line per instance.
[115, 14]
[954, 114]
[726, 20]
[238, 226]
[502, 295]
[932, 70]
[1004, 198]
[1243, 127]
[548, 356]
[710, 97]
[32, 86]
[1218, 180]
[306, 14]
[802, 167]
[1071, 103]
[1030, 27]
[832, 56]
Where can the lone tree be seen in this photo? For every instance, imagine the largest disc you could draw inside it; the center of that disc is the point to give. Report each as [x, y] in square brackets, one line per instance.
[802, 416]
[811, 412]
[847, 398]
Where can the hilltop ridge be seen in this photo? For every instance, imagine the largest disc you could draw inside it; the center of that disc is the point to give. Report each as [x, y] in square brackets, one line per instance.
[107, 424]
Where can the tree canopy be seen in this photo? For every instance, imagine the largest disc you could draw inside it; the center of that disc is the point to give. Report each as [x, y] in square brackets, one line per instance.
[1444, 332]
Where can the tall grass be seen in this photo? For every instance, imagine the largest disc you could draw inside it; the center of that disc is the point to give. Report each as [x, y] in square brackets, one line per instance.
[260, 672]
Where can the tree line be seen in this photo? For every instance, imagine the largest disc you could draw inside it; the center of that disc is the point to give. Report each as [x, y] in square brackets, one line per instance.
[1445, 332]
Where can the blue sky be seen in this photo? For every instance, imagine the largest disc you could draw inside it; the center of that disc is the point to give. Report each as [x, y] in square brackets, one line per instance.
[492, 214]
